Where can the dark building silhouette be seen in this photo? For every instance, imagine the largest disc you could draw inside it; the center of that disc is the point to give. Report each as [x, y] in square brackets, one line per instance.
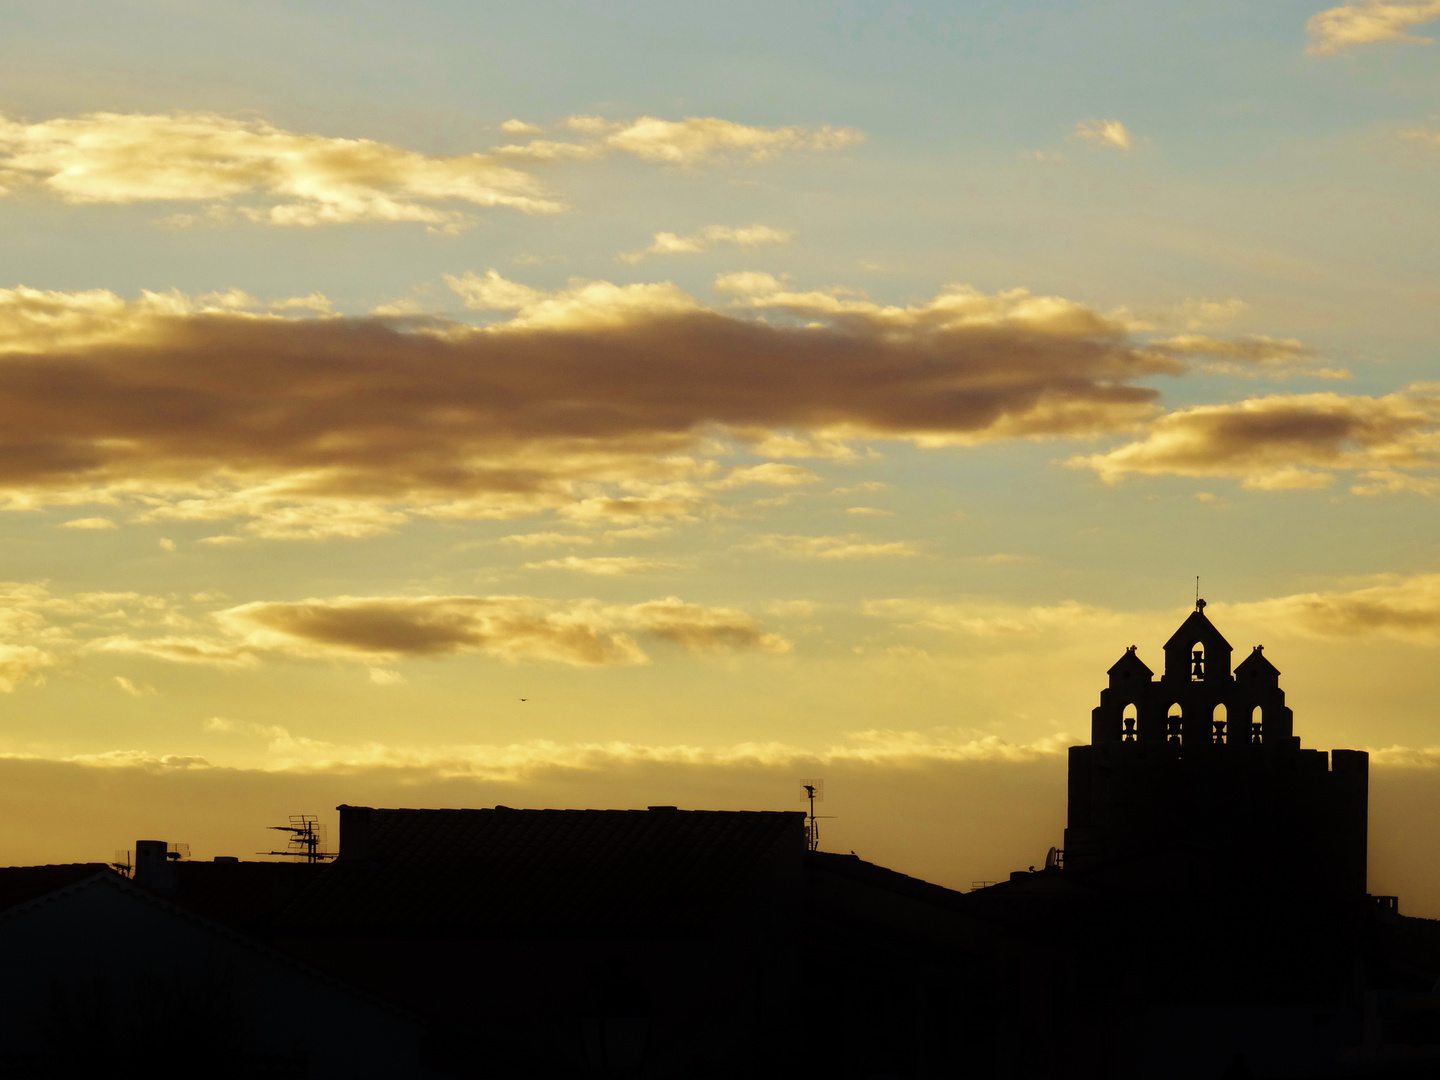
[654, 943]
[1205, 761]
[100, 976]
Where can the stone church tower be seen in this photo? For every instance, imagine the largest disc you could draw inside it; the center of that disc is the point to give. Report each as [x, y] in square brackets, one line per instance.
[1195, 782]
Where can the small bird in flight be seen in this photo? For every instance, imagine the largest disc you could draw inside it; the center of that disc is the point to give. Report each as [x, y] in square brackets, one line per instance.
[524, 699]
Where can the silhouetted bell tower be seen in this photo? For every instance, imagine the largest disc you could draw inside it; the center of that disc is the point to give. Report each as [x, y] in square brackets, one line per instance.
[1196, 782]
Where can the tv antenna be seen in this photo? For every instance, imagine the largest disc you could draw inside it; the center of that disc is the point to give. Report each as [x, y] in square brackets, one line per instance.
[307, 839]
[813, 791]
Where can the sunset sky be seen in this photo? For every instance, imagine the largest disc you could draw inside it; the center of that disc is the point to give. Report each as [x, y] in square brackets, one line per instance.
[613, 404]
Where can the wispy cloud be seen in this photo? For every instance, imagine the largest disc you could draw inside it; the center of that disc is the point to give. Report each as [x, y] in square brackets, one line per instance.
[1367, 22]
[1109, 134]
[982, 618]
[688, 142]
[605, 565]
[1250, 357]
[747, 236]
[850, 546]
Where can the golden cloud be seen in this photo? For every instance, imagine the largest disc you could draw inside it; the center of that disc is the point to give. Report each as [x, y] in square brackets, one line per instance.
[510, 628]
[605, 402]
[1367, 22]
[1289, 441]
[256, 171]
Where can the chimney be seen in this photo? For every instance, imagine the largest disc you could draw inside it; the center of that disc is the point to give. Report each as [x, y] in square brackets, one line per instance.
[153, 869]
[355, 845]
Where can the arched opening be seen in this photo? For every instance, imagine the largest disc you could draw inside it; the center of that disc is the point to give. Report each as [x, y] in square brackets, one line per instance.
[1174, 725]
[1218, 723]
[1129, 723]
[1197, 662]
[1257, 725]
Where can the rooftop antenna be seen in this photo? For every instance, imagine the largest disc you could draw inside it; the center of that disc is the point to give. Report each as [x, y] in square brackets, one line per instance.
[813, 790]
[307, 839]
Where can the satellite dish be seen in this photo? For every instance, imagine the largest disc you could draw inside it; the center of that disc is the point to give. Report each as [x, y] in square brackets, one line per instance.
[1052, 859]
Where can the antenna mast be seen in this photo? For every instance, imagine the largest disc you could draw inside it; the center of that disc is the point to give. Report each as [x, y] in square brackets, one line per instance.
[813, 789]
[307, 837]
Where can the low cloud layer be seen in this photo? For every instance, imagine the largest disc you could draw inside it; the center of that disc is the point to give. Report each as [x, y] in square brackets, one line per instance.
[1292, 441]
[1367, 22]
[253, 170]
[608, 403]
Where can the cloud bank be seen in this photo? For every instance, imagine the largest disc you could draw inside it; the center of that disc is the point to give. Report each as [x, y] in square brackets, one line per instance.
[603, 402]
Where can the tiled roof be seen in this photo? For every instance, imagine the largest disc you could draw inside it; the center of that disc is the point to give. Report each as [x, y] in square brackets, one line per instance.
[21, 883]
[546, 871]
